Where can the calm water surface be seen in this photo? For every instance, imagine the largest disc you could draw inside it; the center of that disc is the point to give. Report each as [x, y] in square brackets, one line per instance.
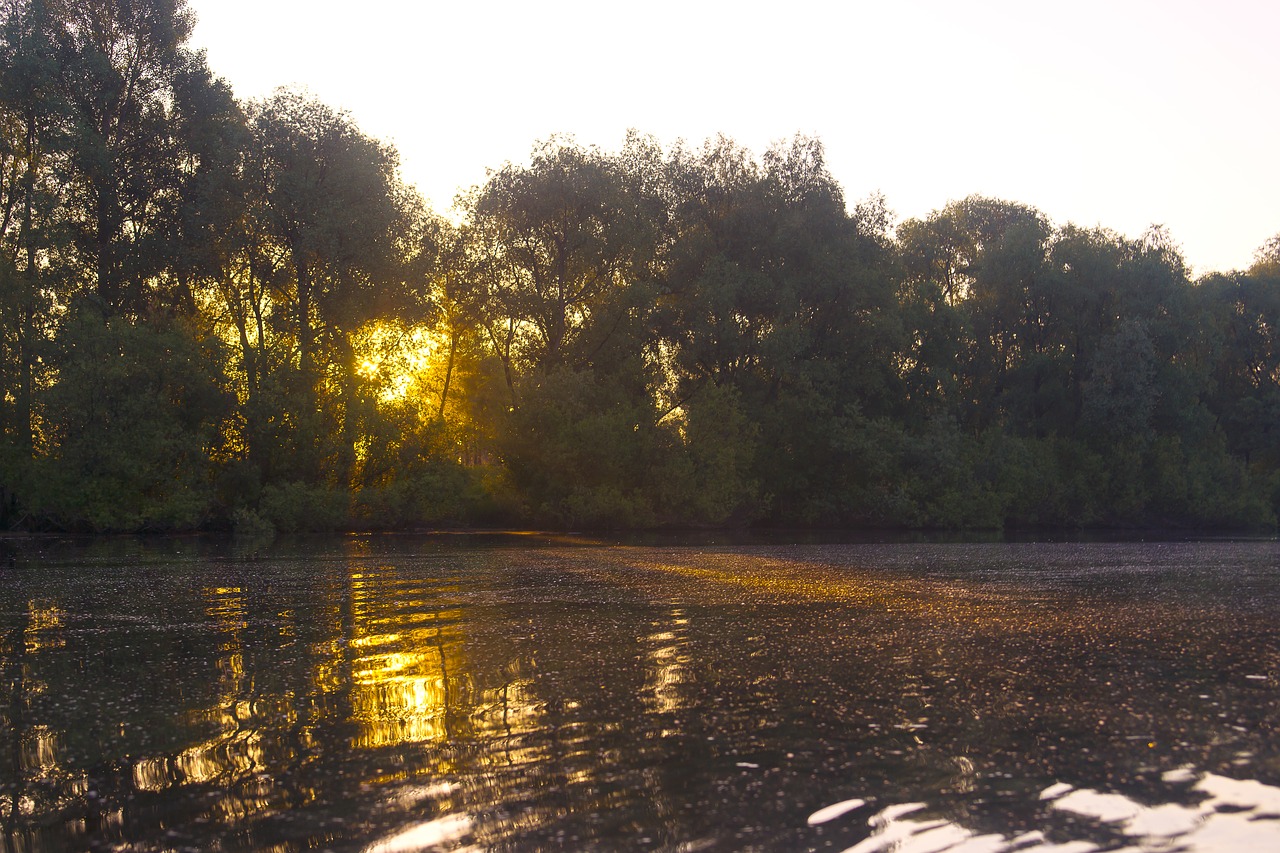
[399, 694]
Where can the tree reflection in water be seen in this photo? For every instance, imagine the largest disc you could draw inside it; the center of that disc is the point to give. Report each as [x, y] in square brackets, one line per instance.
[405, 694]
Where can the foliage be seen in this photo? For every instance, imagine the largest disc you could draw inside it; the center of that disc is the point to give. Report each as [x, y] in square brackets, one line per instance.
[297, 507]
[582, 452]
[131, 429]
[710, 453]
[236, 315]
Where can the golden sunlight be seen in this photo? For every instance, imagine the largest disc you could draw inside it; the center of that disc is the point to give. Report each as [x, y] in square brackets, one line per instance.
[402, 361]
[235, 747]
[404, 664]
[44, 630]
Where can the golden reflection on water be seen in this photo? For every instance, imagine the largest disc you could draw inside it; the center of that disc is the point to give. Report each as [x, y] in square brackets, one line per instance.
[784, 579]
[760, 578]
[666, 663]
[44, 626]
[408, 661]
[40, 750]
[235, 751]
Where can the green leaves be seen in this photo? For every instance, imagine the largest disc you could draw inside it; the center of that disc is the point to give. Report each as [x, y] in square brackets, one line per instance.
[132, 428]
[213, 311]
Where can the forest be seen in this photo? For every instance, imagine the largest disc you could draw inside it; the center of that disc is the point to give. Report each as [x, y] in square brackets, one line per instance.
[229, 315]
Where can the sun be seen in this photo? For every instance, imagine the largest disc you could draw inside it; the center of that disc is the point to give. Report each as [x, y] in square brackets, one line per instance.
[401, 361]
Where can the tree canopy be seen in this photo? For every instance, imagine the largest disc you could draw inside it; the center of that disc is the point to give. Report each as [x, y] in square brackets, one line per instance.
[224, 314]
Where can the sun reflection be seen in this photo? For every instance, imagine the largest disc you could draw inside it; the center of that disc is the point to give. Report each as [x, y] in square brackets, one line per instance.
[409, 662]
[666, 671]
[44, 626]
[39, 750]
[510, 710]
[429, 835]
[236, 749]
[224, 759]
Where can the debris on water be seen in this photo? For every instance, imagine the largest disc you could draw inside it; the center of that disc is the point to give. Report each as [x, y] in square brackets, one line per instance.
[404, 703]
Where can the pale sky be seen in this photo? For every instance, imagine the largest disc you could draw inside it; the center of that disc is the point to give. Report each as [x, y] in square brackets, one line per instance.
[1121, 113]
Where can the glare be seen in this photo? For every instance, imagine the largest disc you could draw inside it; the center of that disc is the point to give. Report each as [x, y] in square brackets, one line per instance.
[428, 835]
[402, 362]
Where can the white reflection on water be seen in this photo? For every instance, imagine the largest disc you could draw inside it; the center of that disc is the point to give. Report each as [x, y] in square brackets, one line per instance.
[1232, 815]
[893, 831]
[428, 835]
[1235, 814]
[834, 811]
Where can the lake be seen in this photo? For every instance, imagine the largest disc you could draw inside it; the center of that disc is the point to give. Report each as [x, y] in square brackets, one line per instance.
[400, 693]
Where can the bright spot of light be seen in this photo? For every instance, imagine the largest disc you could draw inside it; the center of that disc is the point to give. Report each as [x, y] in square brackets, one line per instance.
[423, 836]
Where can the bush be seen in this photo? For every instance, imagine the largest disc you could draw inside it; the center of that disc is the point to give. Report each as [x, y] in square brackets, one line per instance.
[131, 428]
[302, 508]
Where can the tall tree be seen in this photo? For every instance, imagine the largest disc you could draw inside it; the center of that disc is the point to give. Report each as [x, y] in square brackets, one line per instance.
[120, 63]
[332, 203]
[564, 245]
[36, 263]
[564, 251]
[782, 296]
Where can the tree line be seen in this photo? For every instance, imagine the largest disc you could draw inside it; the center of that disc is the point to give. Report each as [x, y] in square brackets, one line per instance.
[218, 314]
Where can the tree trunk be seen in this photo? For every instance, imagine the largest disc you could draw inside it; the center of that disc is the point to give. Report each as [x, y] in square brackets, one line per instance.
[448, 372]
[305, 342]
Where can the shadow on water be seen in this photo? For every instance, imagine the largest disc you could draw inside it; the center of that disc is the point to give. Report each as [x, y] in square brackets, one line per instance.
[409, 693]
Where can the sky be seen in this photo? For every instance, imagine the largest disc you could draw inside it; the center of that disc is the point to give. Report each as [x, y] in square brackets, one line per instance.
[1119, 113]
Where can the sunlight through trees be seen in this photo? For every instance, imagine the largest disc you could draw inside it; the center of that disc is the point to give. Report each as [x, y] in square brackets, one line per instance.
[217, 314]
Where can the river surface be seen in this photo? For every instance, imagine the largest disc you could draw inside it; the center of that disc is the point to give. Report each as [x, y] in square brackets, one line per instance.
[390, 694]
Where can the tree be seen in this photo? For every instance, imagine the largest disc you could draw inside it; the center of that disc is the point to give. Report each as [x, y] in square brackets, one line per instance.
[332, 209]
[778, 293]
[447, 287]
[563, 284]
[1241, 316]
[563, 245]
[134, 426]
[34, 253]
[120, 66]
[1121, 392]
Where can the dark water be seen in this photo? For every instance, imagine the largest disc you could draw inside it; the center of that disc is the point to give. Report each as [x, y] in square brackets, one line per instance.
[398, 694]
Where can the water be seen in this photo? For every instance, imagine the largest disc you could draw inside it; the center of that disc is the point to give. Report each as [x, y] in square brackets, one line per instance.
[521, 693]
